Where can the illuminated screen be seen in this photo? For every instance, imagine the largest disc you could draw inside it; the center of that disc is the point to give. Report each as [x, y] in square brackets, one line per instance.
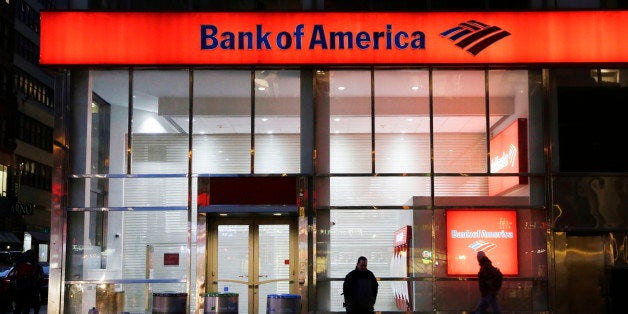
[509, 155]
[491, 231]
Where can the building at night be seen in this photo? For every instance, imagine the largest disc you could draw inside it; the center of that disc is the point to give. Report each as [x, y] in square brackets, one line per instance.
[251, 151]
[26, 126]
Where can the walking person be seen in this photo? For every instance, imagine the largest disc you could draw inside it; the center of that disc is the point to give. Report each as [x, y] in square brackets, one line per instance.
[490, 282]
[25, 277]
[360, 289]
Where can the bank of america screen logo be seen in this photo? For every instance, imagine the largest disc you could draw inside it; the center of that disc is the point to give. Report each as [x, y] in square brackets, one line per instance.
[482, 245]
[474, 36]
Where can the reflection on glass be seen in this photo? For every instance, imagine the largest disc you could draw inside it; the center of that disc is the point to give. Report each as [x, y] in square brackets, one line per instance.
[110, 118]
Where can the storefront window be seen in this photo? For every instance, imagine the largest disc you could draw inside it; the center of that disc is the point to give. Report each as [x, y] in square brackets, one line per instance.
[277, 130]
[461, 130]
[403, 150]
[402, 121]
[159, 141]
[222, 122]
[459, 121]
[373, 229]
[350, 121]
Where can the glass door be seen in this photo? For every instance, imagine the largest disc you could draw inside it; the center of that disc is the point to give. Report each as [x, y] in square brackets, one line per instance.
[253, 258]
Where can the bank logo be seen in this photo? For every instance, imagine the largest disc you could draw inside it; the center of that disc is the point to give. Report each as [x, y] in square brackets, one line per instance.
[481, 245]
[474, 36]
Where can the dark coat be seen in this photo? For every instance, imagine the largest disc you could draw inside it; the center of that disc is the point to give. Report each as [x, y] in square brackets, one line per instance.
[488, 277]
[360, 291]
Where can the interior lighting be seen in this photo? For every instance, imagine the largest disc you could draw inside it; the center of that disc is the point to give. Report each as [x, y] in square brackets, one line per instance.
[415, 88]
[341, 88]
[264, 119]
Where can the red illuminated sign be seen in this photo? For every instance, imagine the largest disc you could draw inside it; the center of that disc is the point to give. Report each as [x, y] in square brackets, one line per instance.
[509, 154]
[491, 231]
[221, 38]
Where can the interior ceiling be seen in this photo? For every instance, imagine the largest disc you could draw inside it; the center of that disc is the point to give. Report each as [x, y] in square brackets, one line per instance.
[151, 86]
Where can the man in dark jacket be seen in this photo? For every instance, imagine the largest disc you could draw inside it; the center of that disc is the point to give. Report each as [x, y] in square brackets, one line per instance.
[490, 283]
[360, 289]
[25, 280]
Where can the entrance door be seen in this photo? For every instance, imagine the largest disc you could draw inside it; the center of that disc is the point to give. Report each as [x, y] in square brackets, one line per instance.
[253, 258]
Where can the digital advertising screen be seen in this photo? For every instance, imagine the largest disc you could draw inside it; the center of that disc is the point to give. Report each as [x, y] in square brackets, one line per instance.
[509, 154]
[491, 231]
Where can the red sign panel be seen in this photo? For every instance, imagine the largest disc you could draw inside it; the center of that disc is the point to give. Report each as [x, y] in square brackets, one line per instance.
[171, 259]
[509, 154]
[248, 190]
[491, 231]
[222, 38]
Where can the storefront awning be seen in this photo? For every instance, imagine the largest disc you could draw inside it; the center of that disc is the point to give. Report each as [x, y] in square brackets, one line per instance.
[41, 237]
[8, 237]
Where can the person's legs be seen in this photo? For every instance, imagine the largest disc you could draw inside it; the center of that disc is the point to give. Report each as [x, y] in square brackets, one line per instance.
[492, 301]
[21, 302]
[482, 306]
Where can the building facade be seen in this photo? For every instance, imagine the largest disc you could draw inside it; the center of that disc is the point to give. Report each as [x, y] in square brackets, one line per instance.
[263, 169]
[26, 126]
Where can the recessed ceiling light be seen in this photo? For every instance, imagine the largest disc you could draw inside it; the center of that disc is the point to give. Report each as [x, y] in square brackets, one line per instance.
[409, 119]
[264, 119]
[269, 132]
[341, 88]
[337, 119]
[261, 88]
[415, 88]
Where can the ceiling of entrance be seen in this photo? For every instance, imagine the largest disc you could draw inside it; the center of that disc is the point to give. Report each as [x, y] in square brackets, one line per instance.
[404, 92]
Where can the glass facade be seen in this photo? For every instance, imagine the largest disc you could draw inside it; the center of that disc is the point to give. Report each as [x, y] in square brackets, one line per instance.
[382, 157]
[391, 149]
